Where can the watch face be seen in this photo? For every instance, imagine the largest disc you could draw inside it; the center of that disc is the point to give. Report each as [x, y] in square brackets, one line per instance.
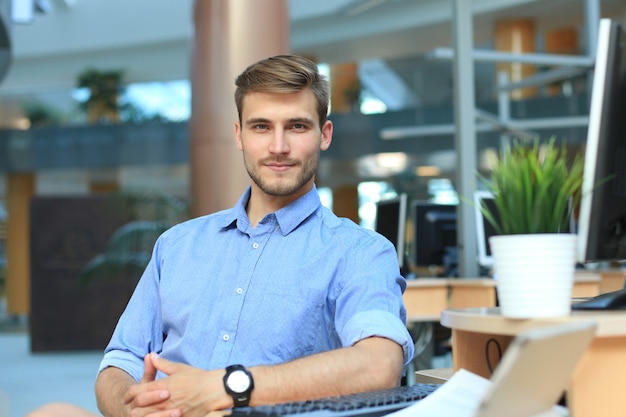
[238, 381]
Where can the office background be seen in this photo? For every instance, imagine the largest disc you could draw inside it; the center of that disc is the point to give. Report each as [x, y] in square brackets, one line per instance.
[389, 63]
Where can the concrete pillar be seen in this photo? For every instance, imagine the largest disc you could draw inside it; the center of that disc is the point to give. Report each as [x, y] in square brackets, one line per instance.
[517, 36]
[229, 36]
[20, 189]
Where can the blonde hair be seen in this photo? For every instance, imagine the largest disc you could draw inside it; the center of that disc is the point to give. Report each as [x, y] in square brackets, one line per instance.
[283, 74]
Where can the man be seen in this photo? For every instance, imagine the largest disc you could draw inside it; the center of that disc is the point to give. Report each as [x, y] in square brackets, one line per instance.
[273, 300]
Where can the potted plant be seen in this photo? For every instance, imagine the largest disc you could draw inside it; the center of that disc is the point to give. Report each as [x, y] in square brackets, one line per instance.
[41, 114]
[536, 188]
[113, 273]
[150, 213]
[89, 254]
[104, 88]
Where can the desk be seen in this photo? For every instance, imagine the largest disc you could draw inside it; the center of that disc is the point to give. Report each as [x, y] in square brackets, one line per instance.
[597, 384]
[589, 283]
[425, 298]
[466, 293]
[586, 284]
[612, 280]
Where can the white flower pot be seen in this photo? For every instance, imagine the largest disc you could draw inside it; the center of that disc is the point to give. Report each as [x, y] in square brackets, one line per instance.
[534, 274]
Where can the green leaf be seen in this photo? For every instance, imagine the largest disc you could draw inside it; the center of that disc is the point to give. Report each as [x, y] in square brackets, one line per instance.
[536, 187]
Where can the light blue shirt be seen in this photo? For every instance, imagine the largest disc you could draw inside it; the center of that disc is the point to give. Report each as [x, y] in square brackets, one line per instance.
[218, 291]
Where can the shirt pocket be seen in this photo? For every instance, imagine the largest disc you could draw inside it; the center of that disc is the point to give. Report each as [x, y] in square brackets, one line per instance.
[290, 323]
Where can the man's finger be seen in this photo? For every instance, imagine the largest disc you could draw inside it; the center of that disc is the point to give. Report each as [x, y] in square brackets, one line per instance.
[149, 370]
[163, 365]
[142, 396]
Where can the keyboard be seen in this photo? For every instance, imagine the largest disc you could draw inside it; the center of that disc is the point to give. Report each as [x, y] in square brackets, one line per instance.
[363, 404]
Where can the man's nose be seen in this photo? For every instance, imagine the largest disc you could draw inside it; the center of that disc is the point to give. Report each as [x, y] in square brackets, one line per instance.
[279, 142]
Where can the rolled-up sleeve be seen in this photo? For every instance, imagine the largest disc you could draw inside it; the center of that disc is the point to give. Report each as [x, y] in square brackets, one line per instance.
[370, 301]
[139, 330]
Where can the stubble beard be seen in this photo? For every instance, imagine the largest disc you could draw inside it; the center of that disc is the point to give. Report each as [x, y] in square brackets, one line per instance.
[282, 185]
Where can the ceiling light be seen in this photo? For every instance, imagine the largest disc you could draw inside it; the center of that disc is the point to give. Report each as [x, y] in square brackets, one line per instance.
[391, 160]
[427, 171]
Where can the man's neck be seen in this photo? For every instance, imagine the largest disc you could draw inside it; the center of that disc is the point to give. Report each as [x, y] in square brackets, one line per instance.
[261, 204]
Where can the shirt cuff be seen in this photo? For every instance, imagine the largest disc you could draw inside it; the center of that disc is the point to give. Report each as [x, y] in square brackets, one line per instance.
[125, 361]
[381, 324]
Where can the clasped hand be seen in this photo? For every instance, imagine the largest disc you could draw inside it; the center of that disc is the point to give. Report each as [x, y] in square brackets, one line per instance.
[185, 390]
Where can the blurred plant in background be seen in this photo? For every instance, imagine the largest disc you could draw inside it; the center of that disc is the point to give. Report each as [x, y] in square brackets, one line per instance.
[150, 213]
[105, 88]
[42, 114]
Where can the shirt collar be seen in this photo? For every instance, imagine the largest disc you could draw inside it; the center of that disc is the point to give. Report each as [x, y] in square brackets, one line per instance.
[288, 218]
[294, 214]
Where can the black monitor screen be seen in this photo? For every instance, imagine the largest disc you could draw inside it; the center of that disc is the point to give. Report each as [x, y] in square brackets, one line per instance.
[602, 220]
[391, 222]
[435, 239]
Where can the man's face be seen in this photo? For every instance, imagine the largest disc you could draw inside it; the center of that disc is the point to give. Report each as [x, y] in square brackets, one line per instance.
[281, 141]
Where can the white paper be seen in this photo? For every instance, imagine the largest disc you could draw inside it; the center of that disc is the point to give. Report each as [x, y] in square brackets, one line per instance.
[460, 396]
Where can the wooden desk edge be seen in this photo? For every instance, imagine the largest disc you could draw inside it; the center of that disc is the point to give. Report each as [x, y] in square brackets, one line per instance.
[418, 318]
[426, 282]
[433, 376]
[489, 320]
[472, 282]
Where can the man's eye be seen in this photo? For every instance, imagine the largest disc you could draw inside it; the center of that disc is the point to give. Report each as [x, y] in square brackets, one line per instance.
[299, 126]
[260, 127]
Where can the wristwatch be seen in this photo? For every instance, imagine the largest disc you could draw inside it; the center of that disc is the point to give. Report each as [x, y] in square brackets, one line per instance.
[238, 384]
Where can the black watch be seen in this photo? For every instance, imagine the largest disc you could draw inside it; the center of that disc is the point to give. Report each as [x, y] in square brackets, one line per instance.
[238, 384]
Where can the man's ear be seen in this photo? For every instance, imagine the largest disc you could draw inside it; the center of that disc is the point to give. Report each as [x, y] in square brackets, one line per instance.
[327, 135]
[238, 136]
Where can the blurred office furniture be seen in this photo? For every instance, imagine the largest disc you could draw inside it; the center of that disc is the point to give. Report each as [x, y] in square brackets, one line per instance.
[481, 335]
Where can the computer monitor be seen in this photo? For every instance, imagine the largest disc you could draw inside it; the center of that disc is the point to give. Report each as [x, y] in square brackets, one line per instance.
[391, 222]
[602, 219]
[484, 229]
[435, 237]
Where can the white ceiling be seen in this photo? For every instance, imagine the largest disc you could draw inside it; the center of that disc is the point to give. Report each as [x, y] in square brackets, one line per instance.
[150, 39]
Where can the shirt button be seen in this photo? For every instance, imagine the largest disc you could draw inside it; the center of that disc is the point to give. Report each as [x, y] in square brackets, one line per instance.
[239, 290]
[255, 245]
[226, 338]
